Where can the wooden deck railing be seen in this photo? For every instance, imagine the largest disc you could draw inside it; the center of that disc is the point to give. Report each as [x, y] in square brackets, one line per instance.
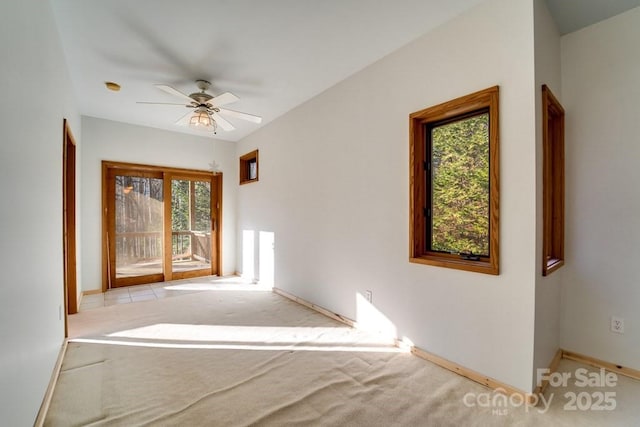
[133, 247]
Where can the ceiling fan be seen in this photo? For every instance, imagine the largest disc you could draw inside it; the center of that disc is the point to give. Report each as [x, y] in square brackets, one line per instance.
[207, 111]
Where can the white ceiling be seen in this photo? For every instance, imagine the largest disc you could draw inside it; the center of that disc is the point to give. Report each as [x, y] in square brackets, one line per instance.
[571, 15]
[273, 54]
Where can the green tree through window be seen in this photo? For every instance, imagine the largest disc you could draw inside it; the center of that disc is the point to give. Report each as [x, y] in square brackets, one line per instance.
[460, 185]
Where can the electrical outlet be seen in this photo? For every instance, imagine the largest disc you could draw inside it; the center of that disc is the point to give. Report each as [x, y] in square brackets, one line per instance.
[617, 324]
[368, 295]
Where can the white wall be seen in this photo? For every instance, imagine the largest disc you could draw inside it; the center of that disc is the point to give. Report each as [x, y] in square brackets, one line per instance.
[36, 96]
[548, 289]
[334, 189]
[601, 93]
[108, 140]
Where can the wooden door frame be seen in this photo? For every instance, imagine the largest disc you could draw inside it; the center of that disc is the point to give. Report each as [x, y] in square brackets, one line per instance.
[69, 223]
[108, 251]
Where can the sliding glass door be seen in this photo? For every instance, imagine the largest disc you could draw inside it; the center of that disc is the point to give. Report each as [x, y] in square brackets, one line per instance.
[191, 226]
[159, 224]
[134, 239]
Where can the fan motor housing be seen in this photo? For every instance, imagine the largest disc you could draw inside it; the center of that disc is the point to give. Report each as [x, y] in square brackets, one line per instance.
[202, 97]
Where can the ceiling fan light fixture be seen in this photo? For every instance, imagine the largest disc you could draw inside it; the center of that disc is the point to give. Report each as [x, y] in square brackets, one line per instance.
[201, 119]
[207, 114]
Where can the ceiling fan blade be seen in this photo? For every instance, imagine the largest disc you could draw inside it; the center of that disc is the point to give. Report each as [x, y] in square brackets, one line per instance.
[243, 116]
[160, 103]
[184, 120]
[224, 99]
[174, 91]
[224, 124]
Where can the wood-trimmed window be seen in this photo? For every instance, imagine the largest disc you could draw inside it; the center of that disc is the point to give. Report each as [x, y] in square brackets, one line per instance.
[249, 167]
[552, 182]
[454, 183]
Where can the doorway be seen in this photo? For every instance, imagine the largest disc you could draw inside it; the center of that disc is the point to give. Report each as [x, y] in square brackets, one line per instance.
[69, 222]
[159, 224]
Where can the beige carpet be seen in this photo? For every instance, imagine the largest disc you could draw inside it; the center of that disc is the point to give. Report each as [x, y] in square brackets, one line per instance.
[240, 358]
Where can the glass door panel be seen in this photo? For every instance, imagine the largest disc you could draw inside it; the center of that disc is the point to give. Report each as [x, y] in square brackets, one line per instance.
[190, 226]
[138, 227]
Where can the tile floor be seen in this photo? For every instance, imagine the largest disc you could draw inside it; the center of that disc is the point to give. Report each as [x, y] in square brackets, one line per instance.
[158, 290]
